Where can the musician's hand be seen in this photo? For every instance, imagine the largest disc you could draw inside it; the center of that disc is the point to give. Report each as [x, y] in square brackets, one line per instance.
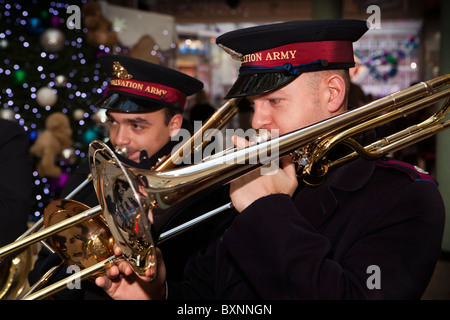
[121, 282]
[268, 180]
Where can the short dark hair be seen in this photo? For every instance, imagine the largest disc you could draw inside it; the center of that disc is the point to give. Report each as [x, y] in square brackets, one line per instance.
[168, 114]
[344, 73]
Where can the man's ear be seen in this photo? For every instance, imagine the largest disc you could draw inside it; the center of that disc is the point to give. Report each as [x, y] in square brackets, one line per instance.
[336, 92]
[175, 124]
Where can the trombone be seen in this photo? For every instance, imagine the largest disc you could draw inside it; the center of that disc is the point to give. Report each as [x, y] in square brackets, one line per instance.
[137, 202]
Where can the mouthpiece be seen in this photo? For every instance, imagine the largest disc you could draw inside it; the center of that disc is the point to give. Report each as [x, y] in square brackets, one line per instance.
[121, 151]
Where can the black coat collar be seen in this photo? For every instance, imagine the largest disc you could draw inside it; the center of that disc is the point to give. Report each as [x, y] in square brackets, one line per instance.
[316, 204]
[352, 176]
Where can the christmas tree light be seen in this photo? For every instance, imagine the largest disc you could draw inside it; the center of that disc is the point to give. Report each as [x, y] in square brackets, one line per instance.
[46, 67]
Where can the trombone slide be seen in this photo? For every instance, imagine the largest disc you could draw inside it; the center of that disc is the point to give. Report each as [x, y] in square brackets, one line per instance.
[77, 276]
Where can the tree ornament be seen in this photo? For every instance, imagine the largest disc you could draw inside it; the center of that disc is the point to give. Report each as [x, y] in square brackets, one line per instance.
[69, 156]
[46, 97]
[78, 114]
[19, 77]
[32, 136]
[101, 120]
[56, 137]
[52, 40]
[89, 135]
[57, 183]
[4, 44]
[60, 80]
[54, 22]
[7, 114]
[35, 26]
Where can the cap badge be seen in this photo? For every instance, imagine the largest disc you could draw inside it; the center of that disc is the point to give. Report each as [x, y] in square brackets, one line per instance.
[234, 55]
[120, 72]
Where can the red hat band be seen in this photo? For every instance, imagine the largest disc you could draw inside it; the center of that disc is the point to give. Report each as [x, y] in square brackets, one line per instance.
[300, 53]
[149, 89]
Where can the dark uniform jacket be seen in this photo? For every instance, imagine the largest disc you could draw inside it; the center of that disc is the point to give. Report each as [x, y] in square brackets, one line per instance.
[372, 230]
[16, 181]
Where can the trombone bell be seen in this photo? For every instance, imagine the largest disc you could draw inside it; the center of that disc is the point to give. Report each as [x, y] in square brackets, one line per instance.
[120, 197]
[13, 275]
[84, 244]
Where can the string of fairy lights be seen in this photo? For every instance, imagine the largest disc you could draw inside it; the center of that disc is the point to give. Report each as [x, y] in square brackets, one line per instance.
[45, 68]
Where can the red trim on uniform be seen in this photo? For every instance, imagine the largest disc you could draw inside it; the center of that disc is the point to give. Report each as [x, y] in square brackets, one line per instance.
[415, 173]
[303, 52]
[148, 89]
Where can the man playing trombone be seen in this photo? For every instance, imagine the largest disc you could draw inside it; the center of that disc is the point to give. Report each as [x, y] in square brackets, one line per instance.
[371, 230]
[144, 104]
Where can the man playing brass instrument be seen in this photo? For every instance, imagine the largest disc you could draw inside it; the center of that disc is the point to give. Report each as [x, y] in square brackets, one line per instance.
[144, 104]
[372, 230]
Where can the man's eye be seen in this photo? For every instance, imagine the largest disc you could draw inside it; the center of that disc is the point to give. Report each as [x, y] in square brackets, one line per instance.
[274, 101]
[137, 126]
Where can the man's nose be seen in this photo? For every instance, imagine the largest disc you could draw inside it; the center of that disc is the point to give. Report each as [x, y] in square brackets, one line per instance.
[261, 116]
[122, 137]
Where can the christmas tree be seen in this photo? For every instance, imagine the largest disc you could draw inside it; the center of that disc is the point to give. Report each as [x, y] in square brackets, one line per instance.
[47, 67]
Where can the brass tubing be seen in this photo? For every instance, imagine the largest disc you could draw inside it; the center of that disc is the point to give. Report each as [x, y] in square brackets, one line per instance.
[44, 233]
[43, 280]
[220, 118]
[191, 223]
[332, 141]
[77, 276]
[386, 145]
[79, 188]
[97, 268]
